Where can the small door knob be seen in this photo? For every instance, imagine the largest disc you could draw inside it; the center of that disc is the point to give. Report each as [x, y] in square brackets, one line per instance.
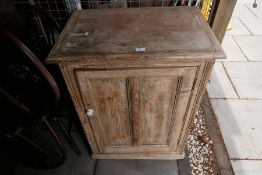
[90, 112]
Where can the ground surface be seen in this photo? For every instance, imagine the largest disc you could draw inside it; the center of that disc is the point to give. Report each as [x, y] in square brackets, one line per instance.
[85, 165]
[200, 157]
[235, 89]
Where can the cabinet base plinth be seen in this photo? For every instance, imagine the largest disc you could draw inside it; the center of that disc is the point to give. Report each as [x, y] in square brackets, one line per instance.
[165, 156]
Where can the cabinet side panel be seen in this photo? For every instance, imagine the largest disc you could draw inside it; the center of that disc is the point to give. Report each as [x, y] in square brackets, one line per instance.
[183, 105]
[198, 91]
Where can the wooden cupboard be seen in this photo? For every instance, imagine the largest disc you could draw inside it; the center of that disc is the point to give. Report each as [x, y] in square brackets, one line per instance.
[136, 77]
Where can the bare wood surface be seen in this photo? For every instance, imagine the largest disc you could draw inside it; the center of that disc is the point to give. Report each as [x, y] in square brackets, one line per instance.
[184, 106]
[222, 17]
[128, 64]
[128, 116]
[135, 131]
[137, 58]
[156, 108]
[138, 30]
[142, 103]
[109, 101]
[199, 89]
[161, 156]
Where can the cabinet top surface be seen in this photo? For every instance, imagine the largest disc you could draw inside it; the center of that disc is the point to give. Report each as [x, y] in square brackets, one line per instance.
[167, 32]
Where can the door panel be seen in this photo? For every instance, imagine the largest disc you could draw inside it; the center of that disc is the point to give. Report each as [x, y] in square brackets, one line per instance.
[136, 110]
[156, 100]
[112, 105]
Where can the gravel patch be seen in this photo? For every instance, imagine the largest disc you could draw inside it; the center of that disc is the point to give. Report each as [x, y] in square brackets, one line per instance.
[200, 148]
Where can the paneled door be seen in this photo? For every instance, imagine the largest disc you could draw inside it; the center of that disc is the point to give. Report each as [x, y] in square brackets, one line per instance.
[136, 110]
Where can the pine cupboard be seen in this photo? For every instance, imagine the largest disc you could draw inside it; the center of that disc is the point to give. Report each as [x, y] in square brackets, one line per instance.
[136, 77]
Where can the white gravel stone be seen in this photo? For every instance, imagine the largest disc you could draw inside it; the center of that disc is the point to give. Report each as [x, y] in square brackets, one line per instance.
[200, 148]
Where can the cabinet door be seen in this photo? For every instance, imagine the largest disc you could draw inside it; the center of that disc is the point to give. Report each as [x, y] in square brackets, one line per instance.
[136, 110]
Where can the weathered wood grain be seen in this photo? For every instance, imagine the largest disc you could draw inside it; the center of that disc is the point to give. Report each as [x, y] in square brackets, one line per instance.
[158, 156]
[72, 87]
[135, 114]
[142, 102]
[112, 105]
[135, 109]
[123, 31]
[156, 105]
[223, 14]
[108, 98]
[197, 94]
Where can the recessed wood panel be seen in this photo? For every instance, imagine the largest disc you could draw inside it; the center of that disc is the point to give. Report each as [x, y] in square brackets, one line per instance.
[112, 107]
[136, 110]
[157, 100]
[109, 99]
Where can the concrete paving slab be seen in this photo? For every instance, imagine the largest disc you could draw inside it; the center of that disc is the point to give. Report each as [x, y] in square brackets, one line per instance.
[254, 25]
[221, 154]
[237, 27]
[247, 167]
[257, 11]
[241, 10]
[246, 78]
[247, 1]
[251, 46]
[136, 167]
[219, 85]
[232, 50]
[240, 123]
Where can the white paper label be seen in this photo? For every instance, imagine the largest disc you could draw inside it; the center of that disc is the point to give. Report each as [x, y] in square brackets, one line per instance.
[140, 49]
